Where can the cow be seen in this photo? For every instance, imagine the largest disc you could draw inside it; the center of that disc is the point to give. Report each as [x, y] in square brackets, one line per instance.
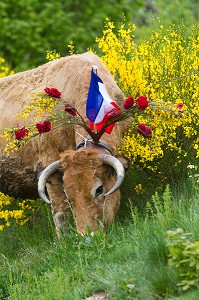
[77, 174]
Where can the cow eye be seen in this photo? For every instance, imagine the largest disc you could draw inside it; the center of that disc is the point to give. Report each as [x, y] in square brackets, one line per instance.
[99, 190]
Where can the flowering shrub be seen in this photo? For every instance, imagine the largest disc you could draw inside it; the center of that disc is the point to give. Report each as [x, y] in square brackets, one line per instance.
[4, 69]
[163, 68]
[11, 209]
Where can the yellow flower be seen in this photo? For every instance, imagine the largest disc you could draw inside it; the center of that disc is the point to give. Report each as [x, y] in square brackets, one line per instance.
[4, 69]
[138, 189]
[154, 69]
[18, 214]
[52, 55]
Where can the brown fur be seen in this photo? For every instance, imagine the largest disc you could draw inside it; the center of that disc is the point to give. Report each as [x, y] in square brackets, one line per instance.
[70, 75]
[90, 168]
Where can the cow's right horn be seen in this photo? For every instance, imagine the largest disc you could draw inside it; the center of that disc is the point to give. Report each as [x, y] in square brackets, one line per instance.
[52, 168]
[118, 167]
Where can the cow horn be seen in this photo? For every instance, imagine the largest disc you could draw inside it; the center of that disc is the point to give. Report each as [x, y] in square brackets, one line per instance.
[118, 167]
[44, 177]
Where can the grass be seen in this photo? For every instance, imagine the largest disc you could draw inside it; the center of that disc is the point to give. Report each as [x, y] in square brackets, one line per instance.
[129, 262]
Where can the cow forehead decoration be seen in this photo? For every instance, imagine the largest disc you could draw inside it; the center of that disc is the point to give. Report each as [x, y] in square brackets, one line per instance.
[56, 111]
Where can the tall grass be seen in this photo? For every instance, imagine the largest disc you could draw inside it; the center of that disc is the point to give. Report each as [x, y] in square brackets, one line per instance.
[129, 262]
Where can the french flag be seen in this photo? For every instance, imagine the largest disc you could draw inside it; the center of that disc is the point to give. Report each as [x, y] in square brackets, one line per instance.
[100, 108]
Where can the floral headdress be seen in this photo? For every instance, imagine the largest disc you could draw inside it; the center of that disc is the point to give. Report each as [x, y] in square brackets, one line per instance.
[59, 112]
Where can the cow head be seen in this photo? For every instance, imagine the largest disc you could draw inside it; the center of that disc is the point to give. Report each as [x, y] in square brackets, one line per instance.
[90, 182]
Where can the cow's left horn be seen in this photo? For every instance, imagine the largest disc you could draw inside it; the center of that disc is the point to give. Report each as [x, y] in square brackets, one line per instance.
[118, 167]
[52, 168]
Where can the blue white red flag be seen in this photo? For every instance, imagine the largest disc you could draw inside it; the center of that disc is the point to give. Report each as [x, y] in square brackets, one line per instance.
[100, 108]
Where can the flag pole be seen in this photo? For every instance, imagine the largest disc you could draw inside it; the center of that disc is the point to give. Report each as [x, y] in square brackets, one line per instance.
[95, 71]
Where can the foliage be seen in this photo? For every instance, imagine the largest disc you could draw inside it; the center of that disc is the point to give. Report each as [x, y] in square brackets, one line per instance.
[154, 13]
[194, 176]
[29, 28]
[184, 257]
[163, 68]
[160, 207]
[187, 11]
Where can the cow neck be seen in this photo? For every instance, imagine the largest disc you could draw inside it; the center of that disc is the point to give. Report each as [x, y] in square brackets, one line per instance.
[89, 143]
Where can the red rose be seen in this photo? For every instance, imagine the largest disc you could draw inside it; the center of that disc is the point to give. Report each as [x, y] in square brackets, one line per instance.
[180, 105]
[69, 109]
[20, 133]
[142, 102]
[144, 130]
[43, 126]
[128, 103]
[53, 92]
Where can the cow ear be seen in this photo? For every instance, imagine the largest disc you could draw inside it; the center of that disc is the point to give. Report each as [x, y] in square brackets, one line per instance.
[125, 162]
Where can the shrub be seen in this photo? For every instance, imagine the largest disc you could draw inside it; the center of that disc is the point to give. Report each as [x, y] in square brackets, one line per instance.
[165, 69]
[29, 28]
[184, 257]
